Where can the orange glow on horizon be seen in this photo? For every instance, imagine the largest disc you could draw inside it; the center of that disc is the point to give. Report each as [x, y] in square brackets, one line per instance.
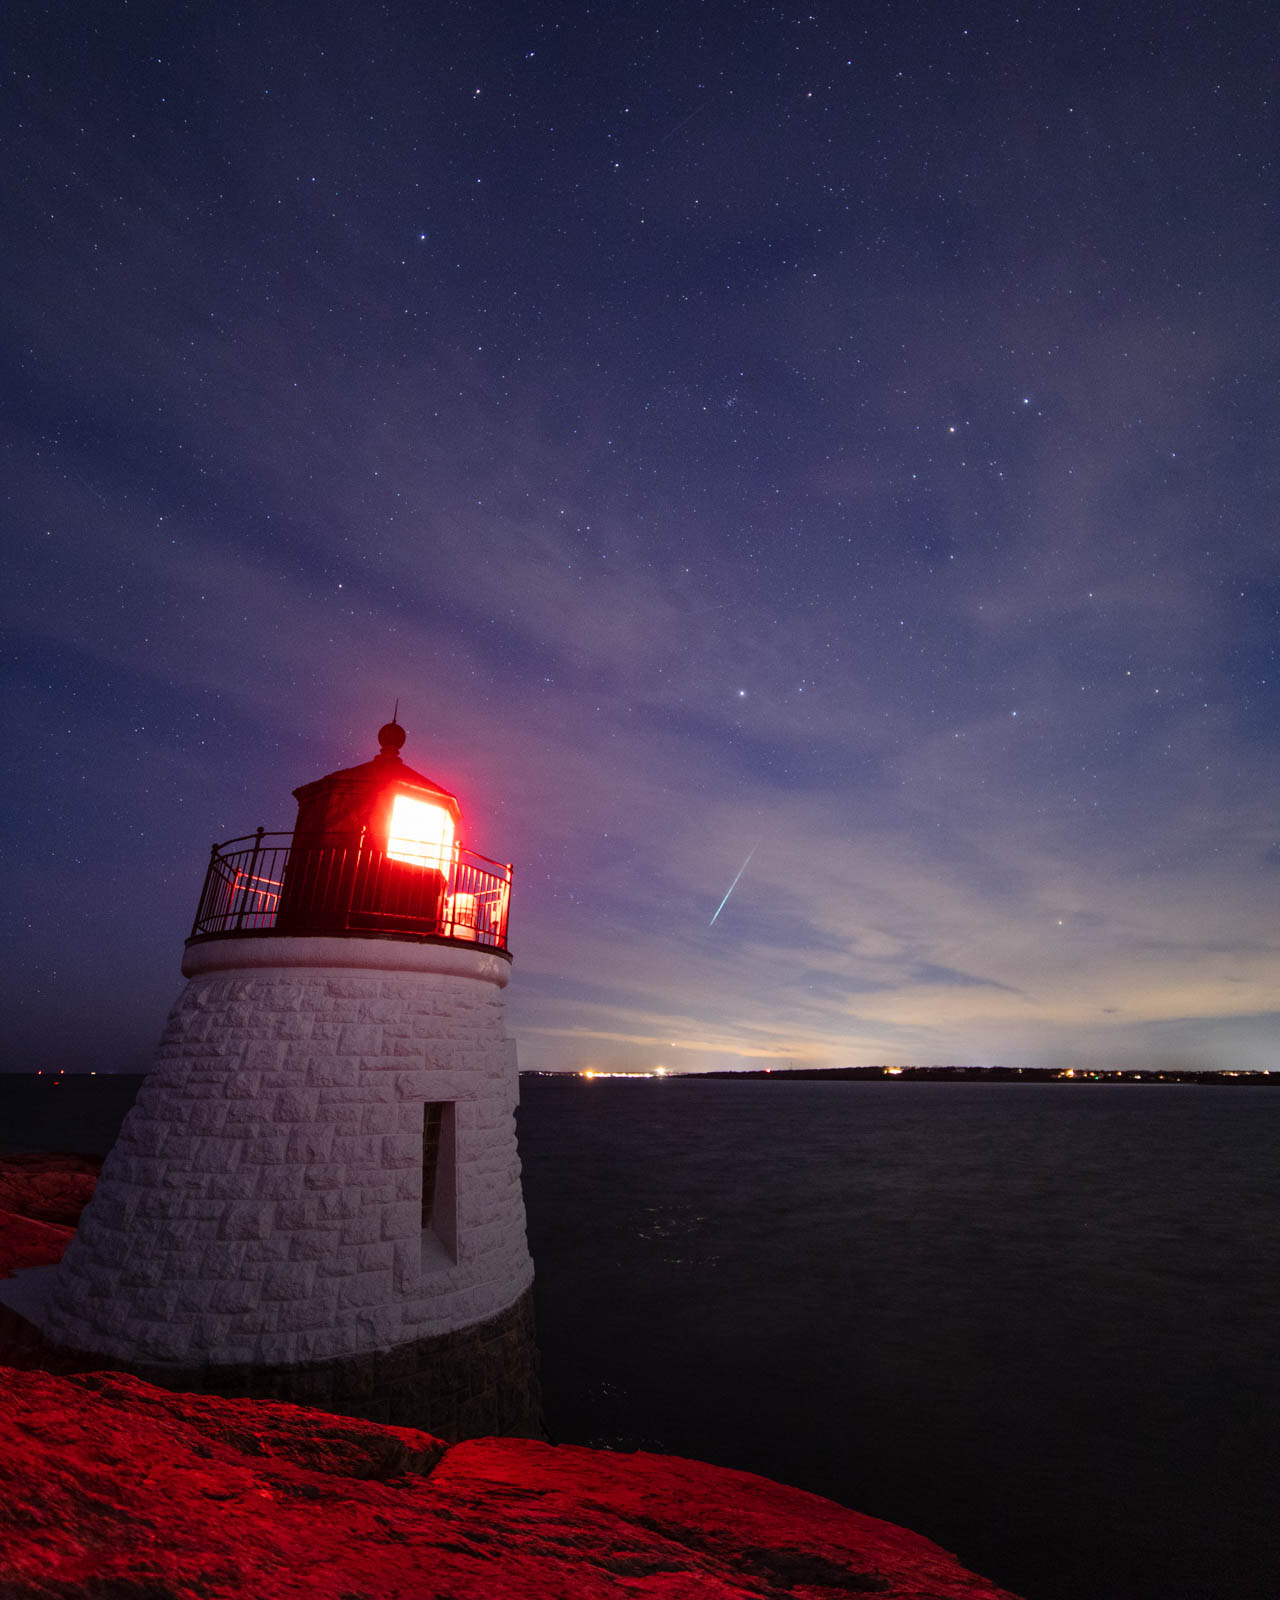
[420, 834]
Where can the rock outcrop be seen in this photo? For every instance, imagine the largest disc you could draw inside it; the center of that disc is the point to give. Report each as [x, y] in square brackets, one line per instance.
[111, 1489]
[53, 1187]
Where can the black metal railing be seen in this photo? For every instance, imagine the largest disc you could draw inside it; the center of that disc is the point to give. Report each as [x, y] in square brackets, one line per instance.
[271, 883]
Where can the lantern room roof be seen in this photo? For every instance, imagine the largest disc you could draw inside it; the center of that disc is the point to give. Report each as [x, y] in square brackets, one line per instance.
[384, 771]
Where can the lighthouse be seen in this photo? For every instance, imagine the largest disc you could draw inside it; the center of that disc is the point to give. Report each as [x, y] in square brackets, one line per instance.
[317, 1195]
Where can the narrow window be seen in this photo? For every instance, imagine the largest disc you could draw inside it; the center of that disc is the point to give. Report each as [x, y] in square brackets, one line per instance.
[439, 1185]
[432, 1121]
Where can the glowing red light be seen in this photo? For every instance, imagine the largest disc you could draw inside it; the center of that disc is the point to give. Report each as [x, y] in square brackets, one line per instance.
[420, 834]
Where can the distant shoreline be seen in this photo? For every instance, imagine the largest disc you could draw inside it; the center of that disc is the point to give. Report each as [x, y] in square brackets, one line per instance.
[1257, 1078]
[1261, 1078]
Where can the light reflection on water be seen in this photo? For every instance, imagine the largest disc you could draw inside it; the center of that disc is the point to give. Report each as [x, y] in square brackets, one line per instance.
[1037, 1323]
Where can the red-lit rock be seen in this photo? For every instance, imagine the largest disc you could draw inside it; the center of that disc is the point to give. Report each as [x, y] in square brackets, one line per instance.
[41, 1197]
[111, 1487]
[50, 1187]
[33, 1188]
[24, 1242]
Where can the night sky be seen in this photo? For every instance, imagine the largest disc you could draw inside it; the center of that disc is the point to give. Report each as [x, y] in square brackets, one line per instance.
[842, 433]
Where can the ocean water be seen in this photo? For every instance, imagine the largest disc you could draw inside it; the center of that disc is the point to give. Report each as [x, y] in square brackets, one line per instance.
[1036, 1323]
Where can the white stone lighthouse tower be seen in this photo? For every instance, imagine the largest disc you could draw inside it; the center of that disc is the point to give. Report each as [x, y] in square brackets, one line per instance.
[317, 1195]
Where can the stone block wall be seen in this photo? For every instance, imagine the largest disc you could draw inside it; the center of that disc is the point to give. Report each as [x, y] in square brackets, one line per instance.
[263, 1202]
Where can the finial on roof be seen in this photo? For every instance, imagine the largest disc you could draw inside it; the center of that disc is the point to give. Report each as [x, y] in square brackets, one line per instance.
[391, 735]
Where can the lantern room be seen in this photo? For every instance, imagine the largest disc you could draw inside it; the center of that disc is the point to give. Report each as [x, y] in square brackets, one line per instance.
[376, 851]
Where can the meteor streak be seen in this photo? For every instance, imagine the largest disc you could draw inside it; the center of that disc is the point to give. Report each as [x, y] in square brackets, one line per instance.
[733, 885]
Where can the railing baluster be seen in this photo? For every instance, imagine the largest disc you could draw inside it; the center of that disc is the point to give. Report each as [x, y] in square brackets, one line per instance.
[249, 877]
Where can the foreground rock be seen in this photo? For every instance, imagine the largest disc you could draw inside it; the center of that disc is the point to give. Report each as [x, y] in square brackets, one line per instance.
[41, 1198]
[53, 1187]
[111, 1489]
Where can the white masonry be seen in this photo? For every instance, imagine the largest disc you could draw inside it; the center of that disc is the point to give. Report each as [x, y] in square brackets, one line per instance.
[263, 1203]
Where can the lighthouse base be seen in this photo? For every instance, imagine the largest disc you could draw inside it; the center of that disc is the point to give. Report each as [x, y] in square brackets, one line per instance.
[467, 1384]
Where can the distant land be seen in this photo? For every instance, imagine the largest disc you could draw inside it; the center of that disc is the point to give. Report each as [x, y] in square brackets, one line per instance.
[951, 1074]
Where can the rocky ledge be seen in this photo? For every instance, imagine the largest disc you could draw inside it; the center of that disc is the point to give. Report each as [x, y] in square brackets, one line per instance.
[113, 1490]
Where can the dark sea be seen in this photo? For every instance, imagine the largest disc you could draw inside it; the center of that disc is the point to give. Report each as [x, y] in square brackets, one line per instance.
[1036, 1323]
